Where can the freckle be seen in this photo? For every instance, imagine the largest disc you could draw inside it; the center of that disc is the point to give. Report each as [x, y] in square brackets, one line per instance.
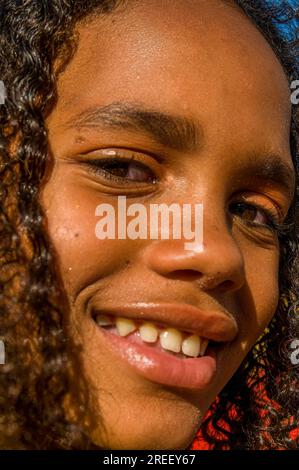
[76, 235]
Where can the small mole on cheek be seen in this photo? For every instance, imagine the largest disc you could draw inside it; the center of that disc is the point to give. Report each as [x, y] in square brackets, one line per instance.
[76, 235]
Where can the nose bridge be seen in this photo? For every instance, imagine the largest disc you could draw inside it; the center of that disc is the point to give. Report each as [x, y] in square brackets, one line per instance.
[220, 261]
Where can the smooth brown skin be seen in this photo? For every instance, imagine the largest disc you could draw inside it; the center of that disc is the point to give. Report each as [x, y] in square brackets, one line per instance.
[213, 67]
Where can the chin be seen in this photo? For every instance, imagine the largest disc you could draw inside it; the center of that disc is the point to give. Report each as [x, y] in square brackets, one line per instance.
[149, 431]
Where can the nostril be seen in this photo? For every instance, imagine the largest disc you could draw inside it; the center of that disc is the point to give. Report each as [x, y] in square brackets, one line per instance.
[185, 274]
[226, 285]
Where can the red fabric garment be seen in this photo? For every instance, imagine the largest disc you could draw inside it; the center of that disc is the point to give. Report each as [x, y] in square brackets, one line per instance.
[199, 443]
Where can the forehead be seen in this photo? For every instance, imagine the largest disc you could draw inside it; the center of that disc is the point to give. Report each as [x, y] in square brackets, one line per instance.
[198, 58]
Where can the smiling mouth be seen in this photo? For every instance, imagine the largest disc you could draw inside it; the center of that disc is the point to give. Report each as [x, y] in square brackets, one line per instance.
[180, 343]
[170, 344]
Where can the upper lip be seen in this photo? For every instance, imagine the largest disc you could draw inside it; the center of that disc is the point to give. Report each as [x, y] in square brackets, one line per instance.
[214, 325]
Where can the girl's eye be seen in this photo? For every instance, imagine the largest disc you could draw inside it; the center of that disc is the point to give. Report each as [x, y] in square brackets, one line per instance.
[123, 170]
[254, 214]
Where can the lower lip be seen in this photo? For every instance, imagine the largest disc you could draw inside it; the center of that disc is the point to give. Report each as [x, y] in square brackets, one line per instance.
[161, 366]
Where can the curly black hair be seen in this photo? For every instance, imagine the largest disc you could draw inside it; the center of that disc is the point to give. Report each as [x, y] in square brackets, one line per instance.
[37, 40]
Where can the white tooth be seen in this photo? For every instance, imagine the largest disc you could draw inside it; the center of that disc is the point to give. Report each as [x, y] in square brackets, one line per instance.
[125, 326]
[191, 346]
[203, 346]
[103, 320]
[148, 332]
[171, 339]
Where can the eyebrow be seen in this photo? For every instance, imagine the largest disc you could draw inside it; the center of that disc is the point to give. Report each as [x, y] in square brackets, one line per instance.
[273, 169]
[175, 132]
[179, 133]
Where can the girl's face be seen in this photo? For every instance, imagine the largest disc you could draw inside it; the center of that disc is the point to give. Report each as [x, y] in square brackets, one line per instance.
[195, 94]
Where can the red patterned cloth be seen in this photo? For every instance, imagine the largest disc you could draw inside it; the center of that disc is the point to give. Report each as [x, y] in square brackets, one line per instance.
[200, 443]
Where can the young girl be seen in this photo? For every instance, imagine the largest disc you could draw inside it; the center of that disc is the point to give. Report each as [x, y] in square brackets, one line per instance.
[137, 342]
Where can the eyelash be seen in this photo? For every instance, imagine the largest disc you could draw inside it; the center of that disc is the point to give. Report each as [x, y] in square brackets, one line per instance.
[94, 166]
[276, 227]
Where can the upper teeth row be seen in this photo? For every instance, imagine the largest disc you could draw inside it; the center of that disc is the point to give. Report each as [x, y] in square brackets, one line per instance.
[170, 338]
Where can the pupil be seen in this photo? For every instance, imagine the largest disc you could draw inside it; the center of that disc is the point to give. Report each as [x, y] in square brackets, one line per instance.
[244, 210]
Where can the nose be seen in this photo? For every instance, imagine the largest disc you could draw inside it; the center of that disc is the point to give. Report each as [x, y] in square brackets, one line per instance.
[220, 263]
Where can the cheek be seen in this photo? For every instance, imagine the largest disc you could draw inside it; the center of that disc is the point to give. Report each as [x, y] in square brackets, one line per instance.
[262, 296]
[71, 221]
[256, 305]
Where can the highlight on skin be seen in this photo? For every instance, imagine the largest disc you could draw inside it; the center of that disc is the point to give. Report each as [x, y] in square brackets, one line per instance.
[37, 45]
